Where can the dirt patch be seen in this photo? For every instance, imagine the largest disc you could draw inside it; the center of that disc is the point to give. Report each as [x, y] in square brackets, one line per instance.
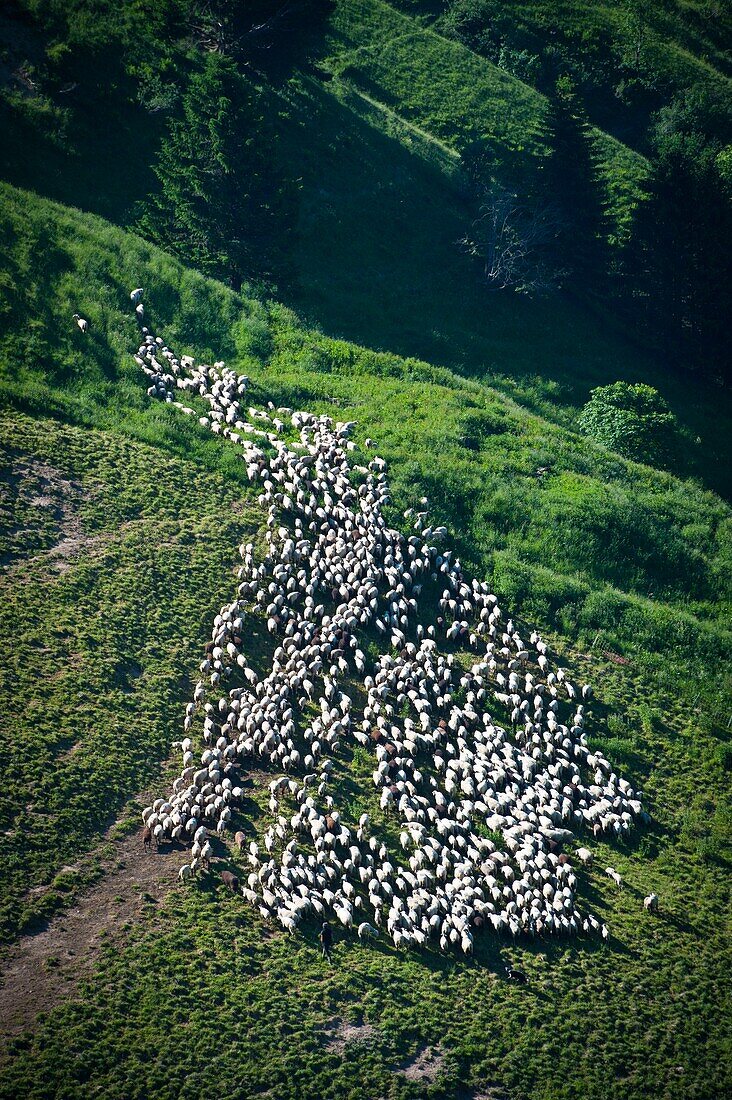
[424, 1066]
[615, 657]
[269, 933]
[63, 553]
[45, 967]
[338, 1034]
[48, 505]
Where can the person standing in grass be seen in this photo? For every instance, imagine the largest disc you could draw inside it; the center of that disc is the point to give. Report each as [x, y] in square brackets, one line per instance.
[326, 941]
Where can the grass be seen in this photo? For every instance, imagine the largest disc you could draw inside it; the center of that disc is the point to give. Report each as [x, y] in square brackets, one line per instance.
[227, 995]
[110, 643]
[375, 259]
[681, 44]
[194, 996]
[596, 542]
[460, 97]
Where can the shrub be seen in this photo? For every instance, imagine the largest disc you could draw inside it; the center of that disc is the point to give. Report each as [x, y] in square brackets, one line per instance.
[708, 849]
[634, 420]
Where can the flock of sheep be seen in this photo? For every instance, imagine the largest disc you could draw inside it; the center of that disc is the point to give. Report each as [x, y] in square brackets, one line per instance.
[478, 748]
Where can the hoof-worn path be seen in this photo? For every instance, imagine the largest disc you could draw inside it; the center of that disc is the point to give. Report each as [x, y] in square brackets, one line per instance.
[46, 966]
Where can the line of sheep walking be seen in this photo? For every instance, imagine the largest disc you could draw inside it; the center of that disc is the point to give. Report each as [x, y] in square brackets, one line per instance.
[478, 746]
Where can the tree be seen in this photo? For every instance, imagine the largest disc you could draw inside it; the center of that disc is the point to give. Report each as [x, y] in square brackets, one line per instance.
[478, 24]
[222, 204]
[554, 231]
[572, 182]
[634, 38]
[248, 29]
[512, 238]
[679, 257]
[634, 420]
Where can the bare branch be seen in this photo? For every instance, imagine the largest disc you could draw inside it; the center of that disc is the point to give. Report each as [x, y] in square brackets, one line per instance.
[512, 239]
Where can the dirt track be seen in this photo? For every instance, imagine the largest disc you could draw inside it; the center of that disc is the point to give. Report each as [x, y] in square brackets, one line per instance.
[45, 967]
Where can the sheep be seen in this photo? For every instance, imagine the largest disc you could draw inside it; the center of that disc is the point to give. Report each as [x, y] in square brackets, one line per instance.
[231, 881]
[81, 322]
[331, 567]
[613, 874]
[650, 904]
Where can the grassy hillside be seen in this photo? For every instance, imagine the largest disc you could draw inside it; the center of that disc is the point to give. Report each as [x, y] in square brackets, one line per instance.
[376, 262]
[113, 555]
[461, 97]
[626, 57]
[480, 442]
[382, 204]
[624, 568]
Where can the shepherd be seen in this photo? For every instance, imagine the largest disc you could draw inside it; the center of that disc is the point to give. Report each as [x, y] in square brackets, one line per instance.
[326, 941]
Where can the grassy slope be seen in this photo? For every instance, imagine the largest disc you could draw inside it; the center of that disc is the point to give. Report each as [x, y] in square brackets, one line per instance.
[461, 97]
[111, 642]
[375, 258]
[475, 442]
[194, 998]
[686, 37]
[376, 262]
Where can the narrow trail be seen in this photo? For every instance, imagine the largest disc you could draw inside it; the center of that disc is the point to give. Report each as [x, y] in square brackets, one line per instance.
[45, 967]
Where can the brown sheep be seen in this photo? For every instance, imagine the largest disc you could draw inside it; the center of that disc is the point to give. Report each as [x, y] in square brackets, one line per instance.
[230, 880]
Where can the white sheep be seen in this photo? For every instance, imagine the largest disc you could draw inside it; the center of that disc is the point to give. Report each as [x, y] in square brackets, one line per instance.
[331, 565]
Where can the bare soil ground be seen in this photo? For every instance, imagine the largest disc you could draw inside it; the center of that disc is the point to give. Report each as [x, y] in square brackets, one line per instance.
[43, 487]
[423, 1066]
[338, 1033]
[46, 966]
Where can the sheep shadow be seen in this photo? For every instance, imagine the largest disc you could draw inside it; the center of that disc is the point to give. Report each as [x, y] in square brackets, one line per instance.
[679, 923]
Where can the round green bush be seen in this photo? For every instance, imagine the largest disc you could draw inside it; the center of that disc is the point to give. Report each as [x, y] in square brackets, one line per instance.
[634, 420]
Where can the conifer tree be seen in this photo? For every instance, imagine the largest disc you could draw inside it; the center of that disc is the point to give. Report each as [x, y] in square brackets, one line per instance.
[221, 203]
[678, 264]
[572, 183]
